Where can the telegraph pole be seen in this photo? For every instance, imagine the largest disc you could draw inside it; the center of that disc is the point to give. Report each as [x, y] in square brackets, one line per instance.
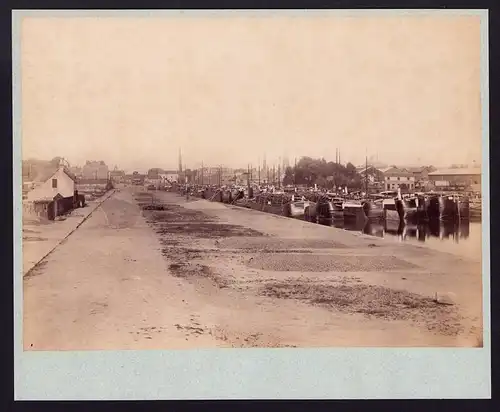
[279, 176]
[295, 173]
[248, 178]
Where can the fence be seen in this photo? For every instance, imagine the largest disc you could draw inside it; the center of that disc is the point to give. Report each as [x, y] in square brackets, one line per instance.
[50, 209]
[37, 209]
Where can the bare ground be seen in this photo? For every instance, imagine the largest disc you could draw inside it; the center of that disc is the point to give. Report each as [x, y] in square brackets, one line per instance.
[194, 274]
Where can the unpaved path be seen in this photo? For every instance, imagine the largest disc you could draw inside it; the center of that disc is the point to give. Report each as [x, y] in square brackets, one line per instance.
[200, 274]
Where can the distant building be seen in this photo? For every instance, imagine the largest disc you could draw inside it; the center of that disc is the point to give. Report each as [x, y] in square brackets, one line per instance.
[421, 174]
[61, 183]
[117, 176]
[170, 176]
[218, 175]
[38, 171]
[457, 178]
[374, 174]
[77, 171]
[137, 178]
[398, 178]
[155, 173]
[95, 170]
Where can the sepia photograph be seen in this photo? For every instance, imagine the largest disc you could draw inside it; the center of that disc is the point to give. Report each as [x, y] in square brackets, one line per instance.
[198, 181]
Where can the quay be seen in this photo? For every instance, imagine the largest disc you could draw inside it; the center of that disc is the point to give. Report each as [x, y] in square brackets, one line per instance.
[158, 270]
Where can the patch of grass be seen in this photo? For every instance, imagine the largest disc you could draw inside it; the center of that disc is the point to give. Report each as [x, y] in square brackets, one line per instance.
[370, 300]
[207, 230]
[187, 270]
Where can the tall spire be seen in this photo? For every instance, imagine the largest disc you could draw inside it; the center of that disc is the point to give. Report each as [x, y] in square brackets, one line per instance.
[180, 161]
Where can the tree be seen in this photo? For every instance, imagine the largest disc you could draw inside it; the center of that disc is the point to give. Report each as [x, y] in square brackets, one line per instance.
[288, 178]
[321, 181]
[56, 161]
[309, 171]
[351, 170]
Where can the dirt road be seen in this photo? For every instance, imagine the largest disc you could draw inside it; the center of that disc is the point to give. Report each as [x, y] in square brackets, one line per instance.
[199, 274]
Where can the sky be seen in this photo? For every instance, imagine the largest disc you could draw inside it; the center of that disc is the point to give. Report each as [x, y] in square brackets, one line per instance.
[225, 90]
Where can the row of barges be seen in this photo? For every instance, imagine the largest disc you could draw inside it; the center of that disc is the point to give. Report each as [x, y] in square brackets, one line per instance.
[317, 206]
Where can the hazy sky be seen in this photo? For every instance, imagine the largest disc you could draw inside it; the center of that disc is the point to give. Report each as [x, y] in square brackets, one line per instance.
[131, 91]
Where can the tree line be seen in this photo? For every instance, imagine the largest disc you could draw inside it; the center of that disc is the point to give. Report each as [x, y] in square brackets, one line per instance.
[309, 171]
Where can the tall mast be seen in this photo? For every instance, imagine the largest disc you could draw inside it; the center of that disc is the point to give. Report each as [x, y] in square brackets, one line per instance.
[279, 176]
[180, 161]
[366, 172]
[295, 172]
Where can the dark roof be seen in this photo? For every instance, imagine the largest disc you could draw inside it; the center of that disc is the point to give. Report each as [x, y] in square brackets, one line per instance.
[70, 175]
[416, 169]
[46, 173]
[396, 171]
[43, 173]
[457, 171]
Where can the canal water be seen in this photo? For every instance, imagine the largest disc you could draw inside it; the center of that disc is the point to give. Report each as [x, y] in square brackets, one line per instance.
[464, 238]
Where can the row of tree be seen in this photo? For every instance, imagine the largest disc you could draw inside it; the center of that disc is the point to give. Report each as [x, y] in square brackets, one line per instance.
[309, 171]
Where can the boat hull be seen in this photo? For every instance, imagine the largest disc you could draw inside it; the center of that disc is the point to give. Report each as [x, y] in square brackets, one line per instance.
[373, 210]
[354, 212]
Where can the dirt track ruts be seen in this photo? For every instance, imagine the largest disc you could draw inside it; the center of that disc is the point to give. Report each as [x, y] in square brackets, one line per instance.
[200, 274]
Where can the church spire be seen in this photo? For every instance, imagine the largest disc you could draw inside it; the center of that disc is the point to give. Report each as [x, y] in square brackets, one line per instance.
[180, 161]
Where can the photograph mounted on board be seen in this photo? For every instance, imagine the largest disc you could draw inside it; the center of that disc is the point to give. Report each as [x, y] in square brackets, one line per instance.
[268, 181]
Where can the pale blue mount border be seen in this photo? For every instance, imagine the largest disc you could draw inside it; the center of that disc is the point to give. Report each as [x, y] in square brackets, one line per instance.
[250, 373]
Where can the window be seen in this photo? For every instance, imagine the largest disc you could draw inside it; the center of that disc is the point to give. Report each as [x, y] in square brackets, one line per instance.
[54, 183]
[399, 178]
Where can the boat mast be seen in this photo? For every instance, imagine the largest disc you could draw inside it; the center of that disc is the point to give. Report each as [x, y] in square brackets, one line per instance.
[366, 174]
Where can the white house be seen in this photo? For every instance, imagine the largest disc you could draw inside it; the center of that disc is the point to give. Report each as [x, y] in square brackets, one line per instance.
[170, 176]
[59, 183]
[395, 178]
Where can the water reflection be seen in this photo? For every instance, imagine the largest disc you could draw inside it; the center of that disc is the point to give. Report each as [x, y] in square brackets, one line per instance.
[462, 238]
[454, 231]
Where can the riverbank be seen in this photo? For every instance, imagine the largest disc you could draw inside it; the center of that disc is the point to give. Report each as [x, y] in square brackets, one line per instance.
[41, 237]
[200, 274]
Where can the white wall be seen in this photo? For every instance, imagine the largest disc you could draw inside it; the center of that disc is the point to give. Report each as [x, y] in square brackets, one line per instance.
[172, 177]
[65, 186]
[402, 179]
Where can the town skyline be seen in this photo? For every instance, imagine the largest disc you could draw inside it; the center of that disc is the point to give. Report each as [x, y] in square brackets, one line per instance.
[372, 160]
